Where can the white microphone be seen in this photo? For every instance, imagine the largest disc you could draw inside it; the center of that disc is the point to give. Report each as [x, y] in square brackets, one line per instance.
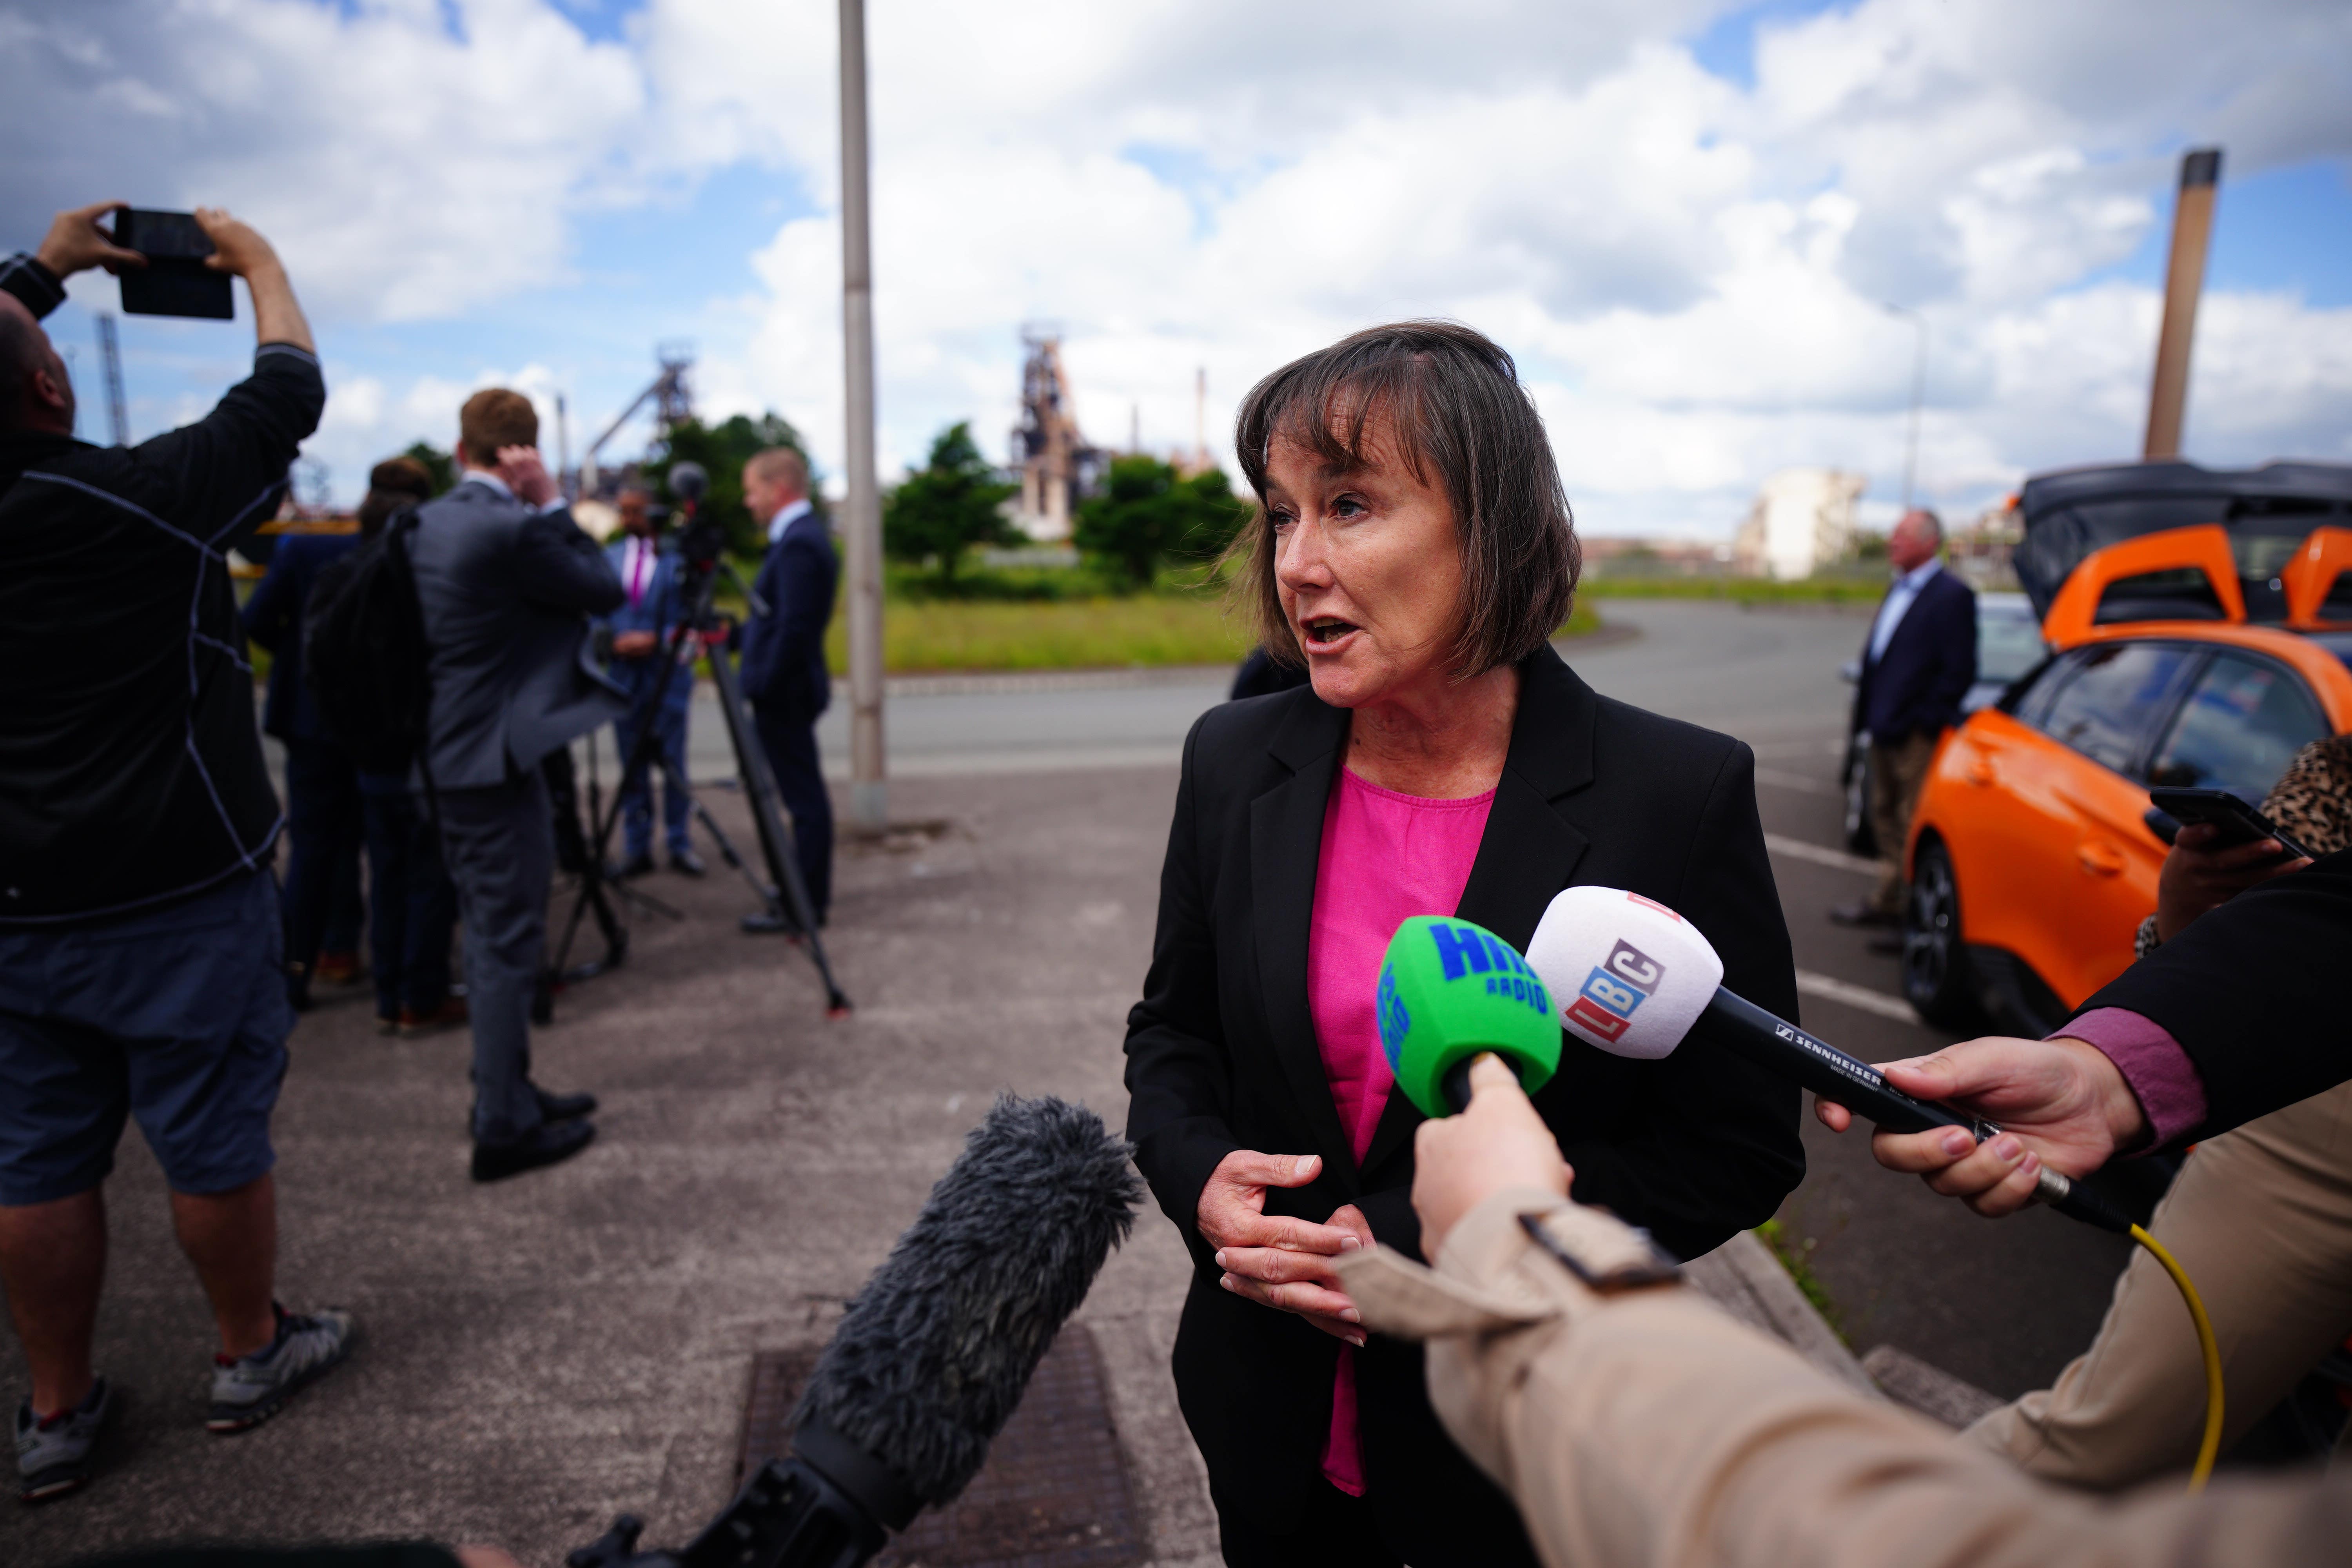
[1627, 973]
[1632, 977]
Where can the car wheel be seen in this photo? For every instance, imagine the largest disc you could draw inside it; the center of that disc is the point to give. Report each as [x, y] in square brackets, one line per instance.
[1859, 837]
[1937, 979]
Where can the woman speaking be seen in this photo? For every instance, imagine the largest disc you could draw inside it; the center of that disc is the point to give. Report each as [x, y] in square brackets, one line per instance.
[1414, 548]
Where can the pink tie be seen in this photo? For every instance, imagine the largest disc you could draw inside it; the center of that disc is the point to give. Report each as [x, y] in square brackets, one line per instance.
[637, 574]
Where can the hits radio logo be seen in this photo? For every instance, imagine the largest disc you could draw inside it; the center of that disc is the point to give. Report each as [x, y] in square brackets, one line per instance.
[1466, 950]
[1395, 1022]
[1605, 1008]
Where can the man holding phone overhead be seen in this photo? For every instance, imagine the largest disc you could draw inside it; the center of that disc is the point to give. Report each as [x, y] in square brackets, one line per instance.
[141, 958]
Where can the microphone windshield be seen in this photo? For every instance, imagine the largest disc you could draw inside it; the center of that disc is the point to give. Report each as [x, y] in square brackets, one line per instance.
[932, 1354]
[1628, 974]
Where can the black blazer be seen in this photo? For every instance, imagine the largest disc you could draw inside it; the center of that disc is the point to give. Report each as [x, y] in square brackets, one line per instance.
[1222, 1055]
[2252, 995]
[783, 651]
[273, 617]
[1929, 664]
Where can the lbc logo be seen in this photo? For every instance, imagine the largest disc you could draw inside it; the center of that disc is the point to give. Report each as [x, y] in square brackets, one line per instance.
[1617, 986]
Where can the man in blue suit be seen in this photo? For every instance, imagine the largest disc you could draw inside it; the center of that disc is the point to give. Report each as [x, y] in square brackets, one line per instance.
[323, 822]
[641, 632]
[785, 677]
[1918, 664]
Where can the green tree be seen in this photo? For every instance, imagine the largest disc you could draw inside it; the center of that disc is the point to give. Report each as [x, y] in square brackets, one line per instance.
[722, 449]
[1146, 516]
[437, 463]
[946, 506]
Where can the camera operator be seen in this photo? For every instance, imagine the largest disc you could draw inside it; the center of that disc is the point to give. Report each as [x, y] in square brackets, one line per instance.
[1633, 1423]
[508, 583]
[140, 945]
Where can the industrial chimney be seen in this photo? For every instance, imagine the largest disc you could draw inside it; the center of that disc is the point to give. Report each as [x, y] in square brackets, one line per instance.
[2184, 279]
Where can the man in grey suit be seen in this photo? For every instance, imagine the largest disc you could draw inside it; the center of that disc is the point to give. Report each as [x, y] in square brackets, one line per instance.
[507, 584]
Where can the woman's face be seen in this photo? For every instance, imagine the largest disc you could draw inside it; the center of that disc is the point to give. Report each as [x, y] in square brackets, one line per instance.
[1367, 567]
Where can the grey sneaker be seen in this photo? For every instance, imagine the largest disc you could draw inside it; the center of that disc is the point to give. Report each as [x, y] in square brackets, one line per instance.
[53, 1456]
[250, 1390]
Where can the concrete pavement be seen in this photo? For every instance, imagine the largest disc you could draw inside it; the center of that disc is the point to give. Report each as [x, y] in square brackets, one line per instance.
[546, 1352]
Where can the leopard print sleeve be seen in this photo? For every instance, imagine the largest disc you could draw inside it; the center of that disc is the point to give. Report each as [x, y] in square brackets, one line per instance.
[2313, 799]
[2312, 802]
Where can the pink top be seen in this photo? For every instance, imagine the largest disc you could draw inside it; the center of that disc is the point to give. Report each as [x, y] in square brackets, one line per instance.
[1386, 857]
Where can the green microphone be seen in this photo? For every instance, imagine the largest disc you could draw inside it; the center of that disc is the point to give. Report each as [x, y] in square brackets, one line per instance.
[1451, 992]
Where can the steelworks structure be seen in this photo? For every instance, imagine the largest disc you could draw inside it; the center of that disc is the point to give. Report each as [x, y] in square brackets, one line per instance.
[1058, 468]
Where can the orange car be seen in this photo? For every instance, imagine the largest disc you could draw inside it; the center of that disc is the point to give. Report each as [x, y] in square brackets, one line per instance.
[2031, 862]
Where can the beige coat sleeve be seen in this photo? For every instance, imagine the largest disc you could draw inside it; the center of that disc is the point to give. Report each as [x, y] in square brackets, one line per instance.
[1640, 1427]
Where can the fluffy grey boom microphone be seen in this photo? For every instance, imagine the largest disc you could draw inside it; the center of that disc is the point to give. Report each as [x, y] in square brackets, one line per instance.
[931, 1357]
[933, 1353]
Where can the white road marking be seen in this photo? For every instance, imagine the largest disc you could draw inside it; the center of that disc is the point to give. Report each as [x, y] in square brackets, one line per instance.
[1797, 781]
[1857, 996]
[1798, 849]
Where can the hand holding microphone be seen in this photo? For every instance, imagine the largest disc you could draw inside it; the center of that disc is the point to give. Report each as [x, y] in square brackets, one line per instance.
[1498, 1142]
[2057, 1101]
[1634, 978]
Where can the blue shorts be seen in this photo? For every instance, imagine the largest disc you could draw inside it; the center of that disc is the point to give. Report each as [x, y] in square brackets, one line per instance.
[177, 1017]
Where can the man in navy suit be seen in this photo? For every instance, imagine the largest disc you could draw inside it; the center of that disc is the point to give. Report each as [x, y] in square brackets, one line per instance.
[641, 632]
[323, 821]
[1918, 664]
[785, 677]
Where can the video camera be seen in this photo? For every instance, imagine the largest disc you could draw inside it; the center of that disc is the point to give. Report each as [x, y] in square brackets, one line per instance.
[700, 536]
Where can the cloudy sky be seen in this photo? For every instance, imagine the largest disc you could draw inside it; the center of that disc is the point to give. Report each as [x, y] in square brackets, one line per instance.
[1688, 219]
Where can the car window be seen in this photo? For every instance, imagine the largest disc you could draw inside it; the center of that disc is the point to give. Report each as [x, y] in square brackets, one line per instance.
[2243, 723]
[2009, 642]
[2112, 698]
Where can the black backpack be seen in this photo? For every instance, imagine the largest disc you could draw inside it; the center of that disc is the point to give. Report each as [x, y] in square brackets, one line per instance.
[363, 651]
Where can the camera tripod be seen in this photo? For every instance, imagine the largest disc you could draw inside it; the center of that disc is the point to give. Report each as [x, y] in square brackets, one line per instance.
[785, 893]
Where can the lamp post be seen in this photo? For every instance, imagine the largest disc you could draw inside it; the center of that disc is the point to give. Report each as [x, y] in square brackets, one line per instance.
[862, 508]
[1918, 398]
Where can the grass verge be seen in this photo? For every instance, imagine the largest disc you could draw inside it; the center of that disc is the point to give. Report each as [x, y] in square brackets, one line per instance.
[1795, 1259]
[1740, 590]
[1146, 629]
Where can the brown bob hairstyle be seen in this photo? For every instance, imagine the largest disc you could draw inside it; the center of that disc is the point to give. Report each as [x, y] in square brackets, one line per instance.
[1449, 400]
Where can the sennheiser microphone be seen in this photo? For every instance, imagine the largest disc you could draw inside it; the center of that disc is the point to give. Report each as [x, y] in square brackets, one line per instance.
[932, 1355]
[1632, 977]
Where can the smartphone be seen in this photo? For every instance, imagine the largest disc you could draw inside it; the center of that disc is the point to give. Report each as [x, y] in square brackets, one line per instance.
[2239, 823]
[175, 281]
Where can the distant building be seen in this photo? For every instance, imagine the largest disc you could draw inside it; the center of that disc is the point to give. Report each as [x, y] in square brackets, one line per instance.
[1612, 555]
[1058, 468]
[1802, 520]
[1981, 552]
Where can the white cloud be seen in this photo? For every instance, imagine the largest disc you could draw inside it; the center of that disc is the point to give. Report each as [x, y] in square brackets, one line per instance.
[1694, 273]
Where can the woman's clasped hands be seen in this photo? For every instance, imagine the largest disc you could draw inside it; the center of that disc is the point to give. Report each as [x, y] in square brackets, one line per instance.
[1274, 1259]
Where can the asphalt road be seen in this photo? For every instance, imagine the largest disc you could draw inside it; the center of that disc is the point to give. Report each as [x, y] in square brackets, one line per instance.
[2002, 1305]
[541, 1354]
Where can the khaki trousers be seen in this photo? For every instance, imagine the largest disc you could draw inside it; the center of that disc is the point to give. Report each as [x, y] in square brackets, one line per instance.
[2260, 1218]
[1898, 771]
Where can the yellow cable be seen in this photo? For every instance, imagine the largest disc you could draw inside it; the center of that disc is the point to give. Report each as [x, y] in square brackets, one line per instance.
[2211, 1445]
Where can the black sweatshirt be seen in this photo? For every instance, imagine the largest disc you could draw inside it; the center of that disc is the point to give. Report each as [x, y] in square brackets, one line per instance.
[2251, 993]
[131, 767]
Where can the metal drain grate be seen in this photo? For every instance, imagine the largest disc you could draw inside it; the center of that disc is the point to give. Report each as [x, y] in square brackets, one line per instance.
[1053, 1493]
